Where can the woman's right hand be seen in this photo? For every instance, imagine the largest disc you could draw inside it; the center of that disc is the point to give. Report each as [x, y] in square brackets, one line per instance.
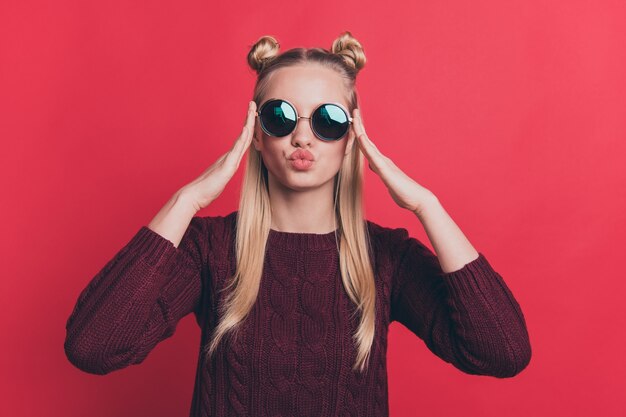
[210, 184]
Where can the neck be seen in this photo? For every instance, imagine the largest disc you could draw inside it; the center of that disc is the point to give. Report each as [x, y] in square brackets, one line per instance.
[310, 211]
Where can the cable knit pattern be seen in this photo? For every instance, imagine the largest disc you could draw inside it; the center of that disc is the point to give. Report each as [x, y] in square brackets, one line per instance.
[293, 354]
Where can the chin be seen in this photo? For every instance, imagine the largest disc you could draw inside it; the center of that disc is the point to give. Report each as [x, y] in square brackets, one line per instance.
[299, 185]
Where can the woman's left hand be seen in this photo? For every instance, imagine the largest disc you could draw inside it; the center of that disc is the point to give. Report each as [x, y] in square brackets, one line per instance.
[407, 193]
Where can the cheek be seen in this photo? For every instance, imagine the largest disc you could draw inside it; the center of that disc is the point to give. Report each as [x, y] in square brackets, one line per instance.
[341, 152]
[271, 153]
[333, 160]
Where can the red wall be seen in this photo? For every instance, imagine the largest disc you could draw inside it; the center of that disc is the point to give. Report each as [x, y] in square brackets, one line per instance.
[512, 113]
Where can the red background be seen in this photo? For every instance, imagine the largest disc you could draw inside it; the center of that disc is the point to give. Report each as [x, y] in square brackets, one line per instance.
[512, 113]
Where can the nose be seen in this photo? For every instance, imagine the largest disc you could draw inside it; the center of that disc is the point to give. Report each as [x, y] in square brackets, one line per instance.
[302, 135]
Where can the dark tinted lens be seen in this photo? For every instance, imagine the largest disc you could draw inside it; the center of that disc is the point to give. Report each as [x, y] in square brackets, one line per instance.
[330, 122]
[278, 118]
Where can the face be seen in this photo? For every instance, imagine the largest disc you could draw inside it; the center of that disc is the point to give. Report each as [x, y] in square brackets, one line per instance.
[306, 87]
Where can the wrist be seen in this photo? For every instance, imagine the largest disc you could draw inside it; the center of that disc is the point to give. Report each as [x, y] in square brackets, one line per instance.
[173, 219]
[429, 202]
[187, 197]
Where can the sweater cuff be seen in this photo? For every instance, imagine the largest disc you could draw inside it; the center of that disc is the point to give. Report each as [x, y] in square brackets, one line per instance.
[474, 277]
[155, 249]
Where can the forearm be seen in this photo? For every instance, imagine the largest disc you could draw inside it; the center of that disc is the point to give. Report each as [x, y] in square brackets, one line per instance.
[173, 219]
[453, 249]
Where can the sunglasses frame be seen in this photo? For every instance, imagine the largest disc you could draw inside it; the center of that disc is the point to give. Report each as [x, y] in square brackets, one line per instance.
[258, 114]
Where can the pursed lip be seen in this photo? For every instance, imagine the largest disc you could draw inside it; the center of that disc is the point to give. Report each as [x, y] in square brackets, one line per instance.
[302, 154]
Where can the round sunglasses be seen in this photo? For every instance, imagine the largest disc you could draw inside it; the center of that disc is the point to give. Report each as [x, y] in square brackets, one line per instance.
[329, 121]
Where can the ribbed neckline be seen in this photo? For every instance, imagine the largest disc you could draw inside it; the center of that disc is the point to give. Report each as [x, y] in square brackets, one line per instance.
[309, 241]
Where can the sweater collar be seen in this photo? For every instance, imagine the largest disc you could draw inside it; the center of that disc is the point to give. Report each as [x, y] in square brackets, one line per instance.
[308, 241]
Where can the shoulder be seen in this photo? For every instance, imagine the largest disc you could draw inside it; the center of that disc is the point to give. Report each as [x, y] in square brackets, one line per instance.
[217, 229]
[225, 220]
[216, 222]
[214, 235]
[396, 244]
[386, 236]
[387, 243]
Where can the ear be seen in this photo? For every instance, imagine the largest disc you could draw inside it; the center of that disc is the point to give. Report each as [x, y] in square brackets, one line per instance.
[255, 140]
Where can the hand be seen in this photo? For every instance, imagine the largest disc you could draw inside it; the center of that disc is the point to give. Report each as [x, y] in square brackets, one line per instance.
[407, 193]
[210, 184]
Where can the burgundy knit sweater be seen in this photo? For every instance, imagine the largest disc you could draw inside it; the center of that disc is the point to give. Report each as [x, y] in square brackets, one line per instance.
[294, 353]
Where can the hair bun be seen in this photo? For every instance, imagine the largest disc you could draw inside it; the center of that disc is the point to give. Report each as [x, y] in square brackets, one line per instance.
[264, 50]
[350, 50]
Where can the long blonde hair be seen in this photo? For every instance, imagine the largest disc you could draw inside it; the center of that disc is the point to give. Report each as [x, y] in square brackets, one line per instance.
[346, 57]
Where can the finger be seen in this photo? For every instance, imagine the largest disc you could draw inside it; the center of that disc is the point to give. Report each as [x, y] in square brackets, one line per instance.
[251, 108]
[243, 141]
[215, 164]
[250, 122]
[221, 158]
[374, 156]
[361, 129]
[247, 127]
[240, 145]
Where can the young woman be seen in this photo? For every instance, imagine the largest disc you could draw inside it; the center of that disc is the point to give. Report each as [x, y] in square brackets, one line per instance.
[295, 291]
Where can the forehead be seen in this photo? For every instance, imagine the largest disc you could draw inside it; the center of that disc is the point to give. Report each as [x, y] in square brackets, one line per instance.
[307, 86]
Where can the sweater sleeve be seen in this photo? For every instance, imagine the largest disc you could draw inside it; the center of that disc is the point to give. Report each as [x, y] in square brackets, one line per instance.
[467, 317]
[136, 300]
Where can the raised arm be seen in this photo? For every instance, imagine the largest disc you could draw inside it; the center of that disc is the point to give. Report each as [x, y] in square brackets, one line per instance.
[467, 317]
[139, 296]
[137, 299]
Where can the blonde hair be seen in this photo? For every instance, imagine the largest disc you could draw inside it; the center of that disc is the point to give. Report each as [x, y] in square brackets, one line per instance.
[346, 57]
